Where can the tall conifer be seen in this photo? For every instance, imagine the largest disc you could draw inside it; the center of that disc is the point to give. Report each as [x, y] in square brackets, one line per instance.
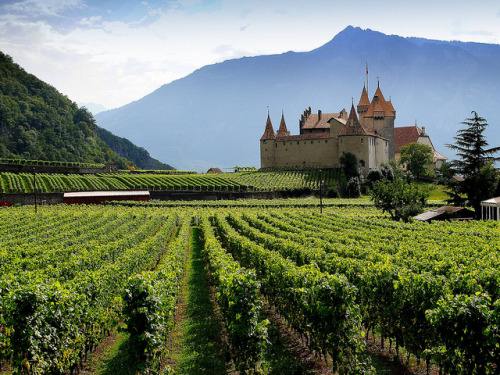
[475, 163]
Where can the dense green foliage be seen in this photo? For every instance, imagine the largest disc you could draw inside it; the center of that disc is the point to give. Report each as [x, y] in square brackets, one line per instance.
[432, 289]
[418, 158]
[149, 301]
[38, 122]
[400, 198]
[239, 299]
[62, 276]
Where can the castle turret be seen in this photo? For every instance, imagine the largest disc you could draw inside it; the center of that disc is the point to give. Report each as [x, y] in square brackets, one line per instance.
[363, 104]
[268, 132]
[379, 118]
[282, 131]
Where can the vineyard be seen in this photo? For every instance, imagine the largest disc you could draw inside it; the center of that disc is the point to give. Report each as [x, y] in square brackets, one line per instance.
[341, 279]
[241, 181]
[34, 163]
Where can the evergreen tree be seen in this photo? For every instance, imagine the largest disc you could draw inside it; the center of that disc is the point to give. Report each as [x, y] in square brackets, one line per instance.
[475, 161]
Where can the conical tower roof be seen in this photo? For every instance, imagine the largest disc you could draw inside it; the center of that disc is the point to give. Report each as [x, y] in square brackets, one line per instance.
[269, 132]
[283, 131]
[380, 105]
[364, 100]
[353, 127]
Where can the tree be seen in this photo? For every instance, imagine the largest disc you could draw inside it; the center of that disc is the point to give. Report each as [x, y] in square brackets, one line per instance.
[475, 162]
[353, 187]
[400, 198]
[418, 158]
[349, 165]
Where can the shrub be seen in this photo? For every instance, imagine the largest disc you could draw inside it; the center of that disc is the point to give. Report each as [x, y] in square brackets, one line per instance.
[400, 198]
[353, 188]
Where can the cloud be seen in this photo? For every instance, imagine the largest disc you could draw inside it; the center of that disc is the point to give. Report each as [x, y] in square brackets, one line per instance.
[243, 28]
[90, 21]
[46, 8]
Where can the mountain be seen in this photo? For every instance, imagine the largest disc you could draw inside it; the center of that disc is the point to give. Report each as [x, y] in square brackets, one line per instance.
[216, 115]
[128, 150]
[37, 122]
[94, 108]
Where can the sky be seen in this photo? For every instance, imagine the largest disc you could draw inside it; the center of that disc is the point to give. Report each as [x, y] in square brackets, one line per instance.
[113, 52]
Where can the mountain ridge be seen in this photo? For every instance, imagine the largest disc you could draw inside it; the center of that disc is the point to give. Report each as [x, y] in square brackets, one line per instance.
[216, 115]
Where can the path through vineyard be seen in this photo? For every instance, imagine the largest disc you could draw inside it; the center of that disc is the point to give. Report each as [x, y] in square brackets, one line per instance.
[198, 340]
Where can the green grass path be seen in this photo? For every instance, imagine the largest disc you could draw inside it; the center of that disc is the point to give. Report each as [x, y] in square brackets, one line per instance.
[197, 346]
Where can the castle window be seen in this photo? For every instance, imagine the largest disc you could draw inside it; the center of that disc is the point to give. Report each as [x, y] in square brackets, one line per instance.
[361, 140]
[265, 142]
[326, 140]
[298, 142]
[362, 163]
[312, 142]
[276, 145]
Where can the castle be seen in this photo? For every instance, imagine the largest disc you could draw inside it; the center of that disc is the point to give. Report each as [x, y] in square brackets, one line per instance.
[325, 137]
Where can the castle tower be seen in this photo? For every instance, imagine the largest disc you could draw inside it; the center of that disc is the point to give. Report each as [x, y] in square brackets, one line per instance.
[282, 131]
[268, 132]
[364, 103]
[379, 118]
[267, 145]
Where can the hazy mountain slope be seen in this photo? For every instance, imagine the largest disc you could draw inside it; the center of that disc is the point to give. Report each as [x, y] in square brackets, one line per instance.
[128, 150]
[216, 115]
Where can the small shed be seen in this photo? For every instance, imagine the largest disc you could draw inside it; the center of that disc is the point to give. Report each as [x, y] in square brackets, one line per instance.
[214, 170]
[448, 213]
[490, 209]
[96, 197]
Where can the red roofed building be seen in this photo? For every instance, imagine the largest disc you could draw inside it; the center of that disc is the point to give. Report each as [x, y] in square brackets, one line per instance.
[405, 135]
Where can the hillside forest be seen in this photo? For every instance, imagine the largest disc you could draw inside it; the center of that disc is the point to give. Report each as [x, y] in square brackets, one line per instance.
[39, 123]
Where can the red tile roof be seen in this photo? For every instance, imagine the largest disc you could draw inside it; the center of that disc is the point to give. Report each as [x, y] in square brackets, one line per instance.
[405, 135]
[269, 132]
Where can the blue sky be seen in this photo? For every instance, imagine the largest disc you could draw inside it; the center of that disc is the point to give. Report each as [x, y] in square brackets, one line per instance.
[113, 52]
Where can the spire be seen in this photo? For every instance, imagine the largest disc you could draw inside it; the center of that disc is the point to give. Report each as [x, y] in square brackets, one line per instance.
[283, 131]
[269, 132]
[352, 126]
[364, 100]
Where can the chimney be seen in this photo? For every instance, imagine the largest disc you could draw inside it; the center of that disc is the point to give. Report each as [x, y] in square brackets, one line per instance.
[319, 114]
[423, 130]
